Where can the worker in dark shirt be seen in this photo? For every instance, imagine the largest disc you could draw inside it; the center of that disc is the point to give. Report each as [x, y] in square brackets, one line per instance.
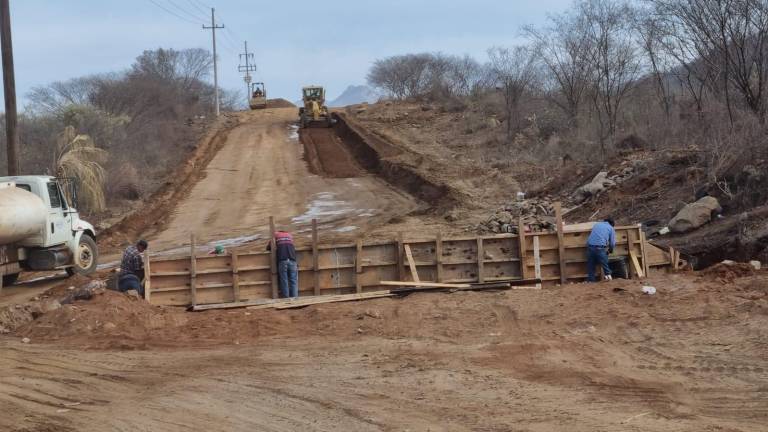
[287, 269]
[600, 243]
[132, 268]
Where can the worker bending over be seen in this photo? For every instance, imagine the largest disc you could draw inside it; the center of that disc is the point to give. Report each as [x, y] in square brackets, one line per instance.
[132, 268]
[600, 243]
[287, 269]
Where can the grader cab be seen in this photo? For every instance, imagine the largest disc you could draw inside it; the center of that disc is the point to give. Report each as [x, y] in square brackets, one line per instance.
[258, 96]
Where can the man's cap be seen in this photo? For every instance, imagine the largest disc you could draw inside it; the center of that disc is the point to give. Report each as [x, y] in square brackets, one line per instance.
[610, 221]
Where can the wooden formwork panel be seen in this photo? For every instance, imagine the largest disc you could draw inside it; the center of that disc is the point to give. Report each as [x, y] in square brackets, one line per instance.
[343, 269]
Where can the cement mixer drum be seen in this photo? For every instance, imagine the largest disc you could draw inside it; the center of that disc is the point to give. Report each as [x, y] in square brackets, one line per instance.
[22, 214]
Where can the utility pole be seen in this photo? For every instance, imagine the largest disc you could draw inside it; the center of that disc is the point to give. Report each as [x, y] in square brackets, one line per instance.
[247, 69]
[9, 87]
[213, 28]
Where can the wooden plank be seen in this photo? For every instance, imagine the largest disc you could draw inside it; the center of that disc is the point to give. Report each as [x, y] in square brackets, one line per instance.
[636, 264]
[522, 248]
[439, 256]
[359, 266]
[480, 260]
[643, 254]
[632, 237]
[536, 260]
[399, 256]
[560, 242]
[315, 259]
[672, 258]
[235, 278]
[423, 284]
[411, 263]
[147, 278]
[192, 271]
[273, 256]
[336, 299]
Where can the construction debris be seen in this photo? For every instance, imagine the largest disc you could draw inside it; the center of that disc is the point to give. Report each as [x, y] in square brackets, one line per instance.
[538, 214]
[695, 214]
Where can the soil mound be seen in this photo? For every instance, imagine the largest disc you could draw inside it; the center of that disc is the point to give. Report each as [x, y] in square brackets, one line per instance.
[728, 271]
[279, 103]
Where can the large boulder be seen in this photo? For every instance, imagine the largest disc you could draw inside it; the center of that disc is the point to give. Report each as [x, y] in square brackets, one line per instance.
[695, 214]
[597, 185]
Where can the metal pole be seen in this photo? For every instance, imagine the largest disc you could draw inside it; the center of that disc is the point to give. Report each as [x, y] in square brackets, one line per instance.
[9, 87]
[213, 28]
[247, 73]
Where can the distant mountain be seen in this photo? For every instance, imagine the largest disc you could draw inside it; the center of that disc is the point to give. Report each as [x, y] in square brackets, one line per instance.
[355, 95]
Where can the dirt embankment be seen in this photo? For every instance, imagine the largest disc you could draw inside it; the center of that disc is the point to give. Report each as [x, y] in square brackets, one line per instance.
[153, 212]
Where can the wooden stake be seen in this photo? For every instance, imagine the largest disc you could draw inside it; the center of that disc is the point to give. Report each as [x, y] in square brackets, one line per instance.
[672, 258]
[193, 271]
[536, 260]
[631, 238]
[399, 256]
[359, 266]
[439, 256]
[235, 279]
[273, 256]
[315, 258]
[643, 254]
[147, 277]
[411, 263]
[560, 243]
[522, 248]
[636, 264]
[480, 260]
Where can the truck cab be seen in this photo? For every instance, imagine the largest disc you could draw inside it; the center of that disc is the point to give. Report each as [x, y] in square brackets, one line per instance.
[47, 234]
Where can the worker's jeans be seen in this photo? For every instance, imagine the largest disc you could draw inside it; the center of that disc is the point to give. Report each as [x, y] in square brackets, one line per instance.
[597, 255]
[288, 276]
[129, 282]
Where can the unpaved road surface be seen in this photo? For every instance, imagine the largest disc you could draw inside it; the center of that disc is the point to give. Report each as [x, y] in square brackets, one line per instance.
[261, 172]
[582, 358]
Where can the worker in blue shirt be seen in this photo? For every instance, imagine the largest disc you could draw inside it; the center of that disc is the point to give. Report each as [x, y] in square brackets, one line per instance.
[600, 243]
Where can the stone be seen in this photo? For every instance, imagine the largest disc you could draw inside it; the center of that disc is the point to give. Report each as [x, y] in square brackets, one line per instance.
[598, 184]
[133, 294]
[757, 265]
[695, 214]
[50, 306]
[109, 326]
[25, 340]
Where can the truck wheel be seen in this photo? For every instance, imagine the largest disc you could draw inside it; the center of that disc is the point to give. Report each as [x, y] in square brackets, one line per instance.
[10, 279]
[86, 257]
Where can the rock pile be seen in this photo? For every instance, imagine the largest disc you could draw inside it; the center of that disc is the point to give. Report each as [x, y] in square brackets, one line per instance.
[536, 213]
[605, 180]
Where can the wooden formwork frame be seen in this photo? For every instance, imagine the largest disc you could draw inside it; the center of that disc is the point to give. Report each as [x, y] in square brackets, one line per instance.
[557, 256]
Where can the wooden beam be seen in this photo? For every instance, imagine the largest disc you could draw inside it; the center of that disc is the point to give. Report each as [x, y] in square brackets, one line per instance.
[235, 278]
[411, 263]
[334, 299]
[631, 238]
[480, 260]
[359, 266]
[643, 252]
[192, 271]
[315, 258]
[536, 260]
[560, 243]
[672, 258]
[399, 255]
[439, 256]
[522, 248]
[273, 257]
[636, 264]
[147, 278]
[297, 302]
[423, 284]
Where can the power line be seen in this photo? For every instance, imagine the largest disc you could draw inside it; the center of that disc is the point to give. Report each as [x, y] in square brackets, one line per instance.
[203, 5]
[186, 12]
[173, 13]
[196, 6]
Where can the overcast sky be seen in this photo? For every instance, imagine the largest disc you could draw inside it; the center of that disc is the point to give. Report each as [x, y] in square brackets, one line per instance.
[295, 42]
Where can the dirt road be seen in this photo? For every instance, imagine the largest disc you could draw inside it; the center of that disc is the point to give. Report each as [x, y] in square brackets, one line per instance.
[260, 172]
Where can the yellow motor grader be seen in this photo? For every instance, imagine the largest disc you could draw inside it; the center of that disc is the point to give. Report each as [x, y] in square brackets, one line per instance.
[314, 113]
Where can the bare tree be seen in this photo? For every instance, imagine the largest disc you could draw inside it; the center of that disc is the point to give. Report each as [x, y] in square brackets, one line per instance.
[565, 49]
[730, 37]
[614, 57]
[659, 63]
[514, 72]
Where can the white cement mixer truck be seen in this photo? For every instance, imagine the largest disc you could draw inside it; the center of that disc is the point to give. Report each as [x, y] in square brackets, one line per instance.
[41, 230]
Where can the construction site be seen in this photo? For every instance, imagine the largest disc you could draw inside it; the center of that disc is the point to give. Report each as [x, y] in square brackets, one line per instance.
[442, 280]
